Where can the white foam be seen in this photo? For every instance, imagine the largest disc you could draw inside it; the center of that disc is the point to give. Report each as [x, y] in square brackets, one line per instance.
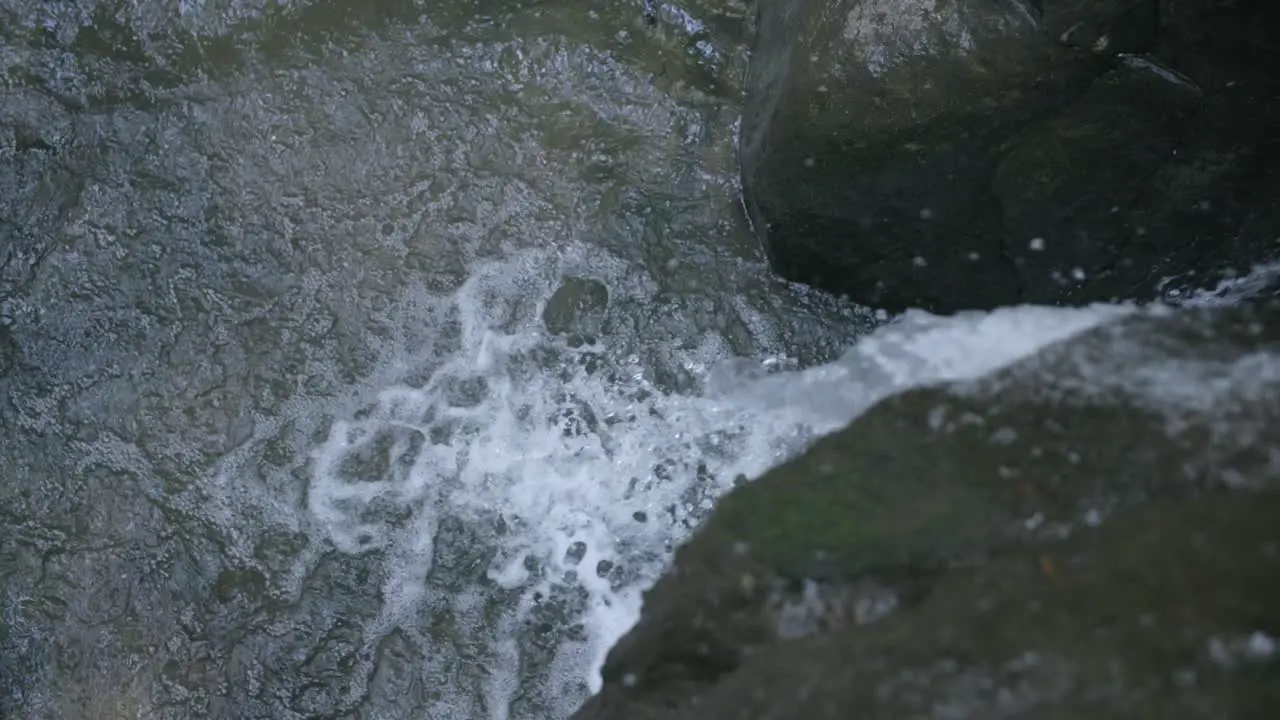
[564, 456]
[1260, 281]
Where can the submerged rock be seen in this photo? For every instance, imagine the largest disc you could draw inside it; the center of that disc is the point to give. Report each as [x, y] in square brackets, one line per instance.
[1088, 533]
[577, 306]
[979, 153]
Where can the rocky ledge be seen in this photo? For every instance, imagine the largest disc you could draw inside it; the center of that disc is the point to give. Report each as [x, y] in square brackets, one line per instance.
[1088, 533]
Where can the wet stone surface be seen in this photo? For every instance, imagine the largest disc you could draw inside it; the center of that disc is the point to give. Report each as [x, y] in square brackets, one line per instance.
[982, 153]
[577, 306]
[232, 230]
[1076, 535]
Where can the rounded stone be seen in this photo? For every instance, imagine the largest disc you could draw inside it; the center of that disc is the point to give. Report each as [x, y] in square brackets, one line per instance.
[577, 306]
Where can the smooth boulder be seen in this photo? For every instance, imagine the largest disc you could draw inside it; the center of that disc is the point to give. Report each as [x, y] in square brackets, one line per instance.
[981, 153]
[1088, 533]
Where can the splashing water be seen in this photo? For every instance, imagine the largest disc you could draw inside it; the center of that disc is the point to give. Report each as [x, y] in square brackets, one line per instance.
[531, 490]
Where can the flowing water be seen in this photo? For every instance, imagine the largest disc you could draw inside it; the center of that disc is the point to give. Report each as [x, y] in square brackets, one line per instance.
[369, 359]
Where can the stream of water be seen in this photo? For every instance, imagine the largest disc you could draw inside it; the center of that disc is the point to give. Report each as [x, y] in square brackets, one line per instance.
[369, 359]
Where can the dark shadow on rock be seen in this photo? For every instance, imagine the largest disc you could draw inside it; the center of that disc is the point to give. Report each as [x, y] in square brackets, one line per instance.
[979, 153]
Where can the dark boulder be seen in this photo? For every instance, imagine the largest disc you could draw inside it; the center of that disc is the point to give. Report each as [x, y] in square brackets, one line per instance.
[576, 308]
[952, 154]
[1090, 532]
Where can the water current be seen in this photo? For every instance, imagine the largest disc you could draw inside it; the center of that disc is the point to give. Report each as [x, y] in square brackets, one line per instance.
[369, 359]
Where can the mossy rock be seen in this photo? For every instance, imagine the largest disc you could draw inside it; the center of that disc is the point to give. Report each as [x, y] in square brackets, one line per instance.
[971, 522]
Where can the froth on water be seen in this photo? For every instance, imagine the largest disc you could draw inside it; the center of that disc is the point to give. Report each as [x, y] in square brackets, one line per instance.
[527, 488]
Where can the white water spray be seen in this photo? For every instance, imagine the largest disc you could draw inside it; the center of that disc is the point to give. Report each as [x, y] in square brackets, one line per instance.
[593, 474]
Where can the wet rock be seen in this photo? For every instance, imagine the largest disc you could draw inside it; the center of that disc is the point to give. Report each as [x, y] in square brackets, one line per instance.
[913, 153]
[1068, 183]
[576, 307]
[1089, 532]
[574, 554]
[9, 351]
[466, 392]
